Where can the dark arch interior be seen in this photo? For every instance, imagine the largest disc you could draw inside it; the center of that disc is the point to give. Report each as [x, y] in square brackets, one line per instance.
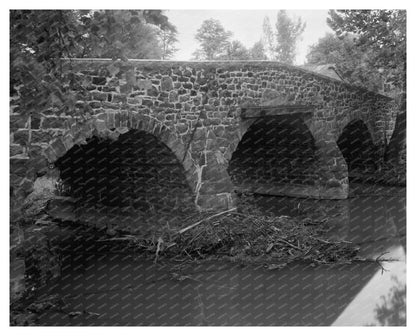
[275, 151]
[136, 171]
[358, 150]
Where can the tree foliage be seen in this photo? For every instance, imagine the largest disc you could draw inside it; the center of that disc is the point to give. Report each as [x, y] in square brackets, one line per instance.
[353, 64]
[380, 35]
[215, 44]
[167, 40]
[392, 311]
[236, 50]
[268, 39]
[38, 42]
[213, 40]
[123, 33]
[257, 51]
[281, 42]
[39, 39]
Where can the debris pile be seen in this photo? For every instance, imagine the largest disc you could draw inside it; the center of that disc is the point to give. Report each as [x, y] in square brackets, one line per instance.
[242, 237]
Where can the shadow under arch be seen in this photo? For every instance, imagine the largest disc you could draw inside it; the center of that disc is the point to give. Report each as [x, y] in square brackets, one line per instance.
[275, 156]
[135, 170]
[111, 125]
[357, 146]
[140, 170]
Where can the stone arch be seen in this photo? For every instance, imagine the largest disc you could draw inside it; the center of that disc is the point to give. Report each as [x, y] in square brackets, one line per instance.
[274, 155]
[354, 117]
[110, 125]
[235, 137]
[361, 153]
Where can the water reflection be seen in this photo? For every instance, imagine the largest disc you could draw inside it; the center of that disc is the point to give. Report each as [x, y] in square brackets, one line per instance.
[382, 301]
[124, 290]
[375, 222]
[127, 292]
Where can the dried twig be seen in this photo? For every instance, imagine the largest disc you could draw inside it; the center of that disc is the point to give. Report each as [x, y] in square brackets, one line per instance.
[331, 242]
[159, 244]
[205, 219]
[289, 244]
[379, 263]
[128, 237]
[322, 240]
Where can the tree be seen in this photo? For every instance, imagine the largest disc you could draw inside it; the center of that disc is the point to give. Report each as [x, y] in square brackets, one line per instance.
[287, 35]
[235, 50]
[167, 40]
[213, 39]
[268, 40]
[382, 33]
[281, 42]
[257, 51]
[123, 33]
[39, 39]
[330, 49]
[353, 64]
[392, 311]
[38, 42]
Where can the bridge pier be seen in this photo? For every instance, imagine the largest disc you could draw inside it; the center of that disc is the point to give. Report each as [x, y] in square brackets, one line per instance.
[332, 168]
[214, 188]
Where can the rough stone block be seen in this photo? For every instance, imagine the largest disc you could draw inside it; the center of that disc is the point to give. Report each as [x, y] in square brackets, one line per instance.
[136, 100]
[16, 150]
[99, 80]
[216, 174]
[100, 125]
[110, 119]
[52, 122]
[35, 121]
[58, 147]
[147, 102]
[197, 146]
[214, 202]
[26, 185]
[100, 96]
[17, 279]
[35, 152]
[17, 121]
[19, 165]
[124, 118]
[144, 84]
[166, 84]
[333, 183]
[152, 92]
[41, 136]
[134, 118]
[119, 98]
[21, 137]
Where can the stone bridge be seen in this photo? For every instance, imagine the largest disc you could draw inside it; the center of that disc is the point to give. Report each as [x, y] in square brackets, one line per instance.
[196, 132]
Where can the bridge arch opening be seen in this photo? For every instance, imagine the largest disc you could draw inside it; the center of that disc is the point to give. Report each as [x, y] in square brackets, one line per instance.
[135, 176]
[276, 156]
[359, 151]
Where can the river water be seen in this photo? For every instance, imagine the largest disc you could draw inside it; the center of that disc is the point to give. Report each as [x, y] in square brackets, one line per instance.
[114, 289]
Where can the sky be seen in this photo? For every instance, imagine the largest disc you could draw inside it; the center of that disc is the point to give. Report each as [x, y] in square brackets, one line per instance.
[246, 25]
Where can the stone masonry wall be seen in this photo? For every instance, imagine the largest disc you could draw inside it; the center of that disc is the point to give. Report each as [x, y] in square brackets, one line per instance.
[197, 105]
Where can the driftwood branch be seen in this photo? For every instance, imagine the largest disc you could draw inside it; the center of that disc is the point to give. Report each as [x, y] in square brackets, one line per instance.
[289, 244]
[203, 220]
